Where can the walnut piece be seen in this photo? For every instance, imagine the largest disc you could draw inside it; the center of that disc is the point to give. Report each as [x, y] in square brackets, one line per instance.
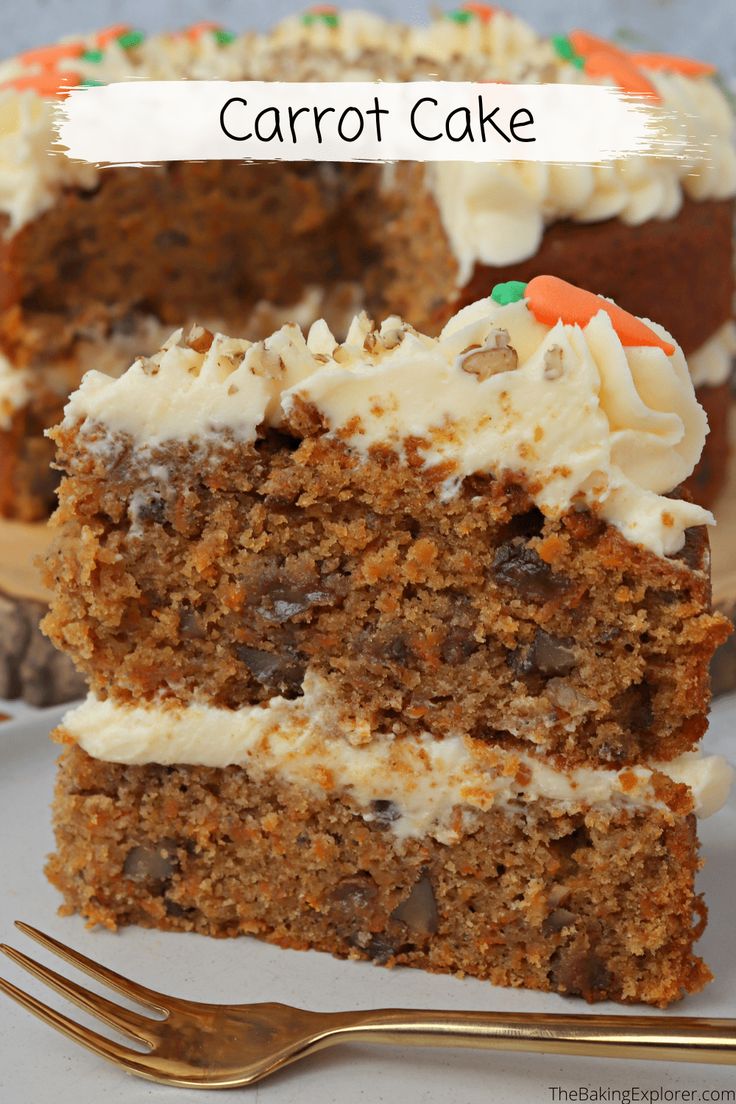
[152, 863]
[391, 338]
[553, 363]
[199, 338]
[419, 910]
[491, 358]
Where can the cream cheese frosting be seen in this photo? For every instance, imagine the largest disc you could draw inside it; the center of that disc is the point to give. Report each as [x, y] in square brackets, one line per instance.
[492, 214]
[585, 420]
[351, 34]
[31, 175]
[427, 779]
[495, 214]
[712, 363]
[14, 390]
[503, 39]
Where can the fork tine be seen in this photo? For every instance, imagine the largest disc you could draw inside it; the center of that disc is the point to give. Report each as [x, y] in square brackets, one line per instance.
[108, 1048]
[125, 1020]
[124, 985]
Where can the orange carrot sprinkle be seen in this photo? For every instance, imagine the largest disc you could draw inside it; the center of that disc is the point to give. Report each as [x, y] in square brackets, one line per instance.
[483, 12]
[586, 43]
[553, 300]
[605, 59]
[47, 56]
[198, 29]
[604, 63]
[47, 83]
[670, 63]
[109, 34]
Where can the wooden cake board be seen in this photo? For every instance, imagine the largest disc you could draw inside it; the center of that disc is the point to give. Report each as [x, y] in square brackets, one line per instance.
[31, 668]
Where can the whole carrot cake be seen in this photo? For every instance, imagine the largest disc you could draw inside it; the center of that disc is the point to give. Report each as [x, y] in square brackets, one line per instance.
[422, 618]
[102, 263]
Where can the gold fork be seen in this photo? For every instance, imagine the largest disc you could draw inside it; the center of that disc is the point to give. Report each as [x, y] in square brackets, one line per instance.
[219, 1046]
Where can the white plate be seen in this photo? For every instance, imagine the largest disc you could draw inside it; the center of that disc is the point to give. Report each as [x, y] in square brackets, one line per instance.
[37, 1065]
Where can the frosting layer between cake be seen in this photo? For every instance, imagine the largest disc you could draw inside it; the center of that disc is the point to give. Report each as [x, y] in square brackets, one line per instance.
[584, 419]
[426, 780]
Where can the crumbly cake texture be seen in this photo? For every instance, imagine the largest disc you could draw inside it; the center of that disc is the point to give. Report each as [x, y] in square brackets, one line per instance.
[419, 240]
[421, 618]
[587, 903]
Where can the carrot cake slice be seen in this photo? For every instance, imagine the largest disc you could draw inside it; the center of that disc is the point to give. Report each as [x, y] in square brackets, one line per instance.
[421, 618]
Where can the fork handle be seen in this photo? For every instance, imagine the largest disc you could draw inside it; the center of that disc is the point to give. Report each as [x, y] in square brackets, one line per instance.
[663, 1038]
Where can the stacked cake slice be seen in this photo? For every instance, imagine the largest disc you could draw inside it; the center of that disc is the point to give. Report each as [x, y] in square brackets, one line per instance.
[397, 648]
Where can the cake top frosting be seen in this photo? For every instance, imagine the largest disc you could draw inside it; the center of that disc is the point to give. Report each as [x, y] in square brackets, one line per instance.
[588, 406]
[493, 214]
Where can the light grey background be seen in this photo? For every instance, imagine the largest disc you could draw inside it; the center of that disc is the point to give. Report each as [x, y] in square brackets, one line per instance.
[698, 28]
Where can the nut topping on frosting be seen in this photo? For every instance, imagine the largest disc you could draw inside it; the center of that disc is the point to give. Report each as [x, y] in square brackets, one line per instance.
[199, 339]
[487, 360]
[553, 363]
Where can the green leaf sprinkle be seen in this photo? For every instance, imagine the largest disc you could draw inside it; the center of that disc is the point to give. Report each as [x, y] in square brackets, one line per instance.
[91, 83]
[330, 19]
[92, 55]
[509, 292]
[564, 48]
[224, 38]
[130, 39]
[460, 16]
